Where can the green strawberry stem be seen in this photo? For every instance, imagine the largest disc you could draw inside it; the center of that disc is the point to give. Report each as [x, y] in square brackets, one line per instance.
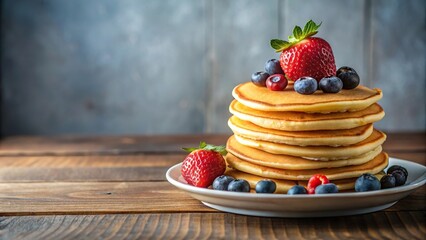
[203, 145]
[310, 29]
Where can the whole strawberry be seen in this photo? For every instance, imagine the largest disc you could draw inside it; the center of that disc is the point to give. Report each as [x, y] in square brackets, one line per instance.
[203, 164]
[305, 56]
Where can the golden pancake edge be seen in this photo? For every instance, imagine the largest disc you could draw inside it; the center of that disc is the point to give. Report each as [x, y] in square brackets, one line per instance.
[374, 166]
[280, 161]
[323, 153]
[301, 138]
[261, 98]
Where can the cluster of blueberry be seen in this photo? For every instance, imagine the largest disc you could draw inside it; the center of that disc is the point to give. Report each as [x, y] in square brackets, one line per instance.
[228, 183]
[396, 176]
[317, 184]
[274, 79]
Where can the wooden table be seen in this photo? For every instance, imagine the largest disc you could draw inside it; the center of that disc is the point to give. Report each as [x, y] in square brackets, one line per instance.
[115, 187]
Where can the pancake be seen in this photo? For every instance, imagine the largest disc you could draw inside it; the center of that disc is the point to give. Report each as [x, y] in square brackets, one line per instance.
[301, 138]
[262, 158]
[298, 121]
[284, 185]
[374, 166]
[323, 153]
[262, 98]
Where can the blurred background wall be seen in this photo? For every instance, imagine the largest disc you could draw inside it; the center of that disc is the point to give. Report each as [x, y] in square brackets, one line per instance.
[169, 66]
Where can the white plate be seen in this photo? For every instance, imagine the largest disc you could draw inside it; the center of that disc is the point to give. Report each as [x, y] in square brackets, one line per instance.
[282, 205]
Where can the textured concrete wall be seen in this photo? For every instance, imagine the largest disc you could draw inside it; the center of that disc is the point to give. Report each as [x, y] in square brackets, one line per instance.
[157, 67]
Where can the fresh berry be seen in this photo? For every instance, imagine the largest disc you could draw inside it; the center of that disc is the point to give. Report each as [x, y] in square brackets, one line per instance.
[306, 85]
[331, 84]
[397, 167]
[326, 188]
[367, 182]
[266, 186]
[203, 164]
[400, 177]
[304, 55]
[259, 78]
[348, 76]
[387, 181]
[239, 185]
[273, 66]
[276, 82]
[222, 182]
[297, 189]
[315, 181]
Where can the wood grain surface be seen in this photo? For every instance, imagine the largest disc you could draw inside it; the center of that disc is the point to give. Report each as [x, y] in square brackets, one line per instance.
[115, 188]
[380, 225]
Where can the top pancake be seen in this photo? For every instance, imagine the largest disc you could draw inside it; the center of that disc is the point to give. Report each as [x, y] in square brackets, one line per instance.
[261, 98]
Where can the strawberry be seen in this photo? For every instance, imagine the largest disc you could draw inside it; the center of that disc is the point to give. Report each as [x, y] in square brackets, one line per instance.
[305, 56]
[203, 164]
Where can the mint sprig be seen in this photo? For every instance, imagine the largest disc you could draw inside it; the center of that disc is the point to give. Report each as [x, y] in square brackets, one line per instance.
[310, 29]
[203, 145]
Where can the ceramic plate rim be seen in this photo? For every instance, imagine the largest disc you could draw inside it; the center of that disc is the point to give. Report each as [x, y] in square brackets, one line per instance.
[210, 192]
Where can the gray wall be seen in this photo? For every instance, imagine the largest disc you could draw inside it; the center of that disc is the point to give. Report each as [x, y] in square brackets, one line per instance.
[169, 66]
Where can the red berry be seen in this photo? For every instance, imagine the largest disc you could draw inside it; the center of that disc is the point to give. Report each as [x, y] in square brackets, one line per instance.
[315, 181]
[276, 82]
[203, 165]
[305, 56]
[311, 57]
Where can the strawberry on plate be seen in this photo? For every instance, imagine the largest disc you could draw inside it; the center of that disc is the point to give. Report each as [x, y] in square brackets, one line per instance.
[203, 164]
[305, 56]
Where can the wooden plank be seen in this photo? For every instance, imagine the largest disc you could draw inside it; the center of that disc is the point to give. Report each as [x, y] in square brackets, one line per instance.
[398, 62]
[110, 145]
[121, 197]
[405, 142]
[164, 144]
[87, 168]
[94, 198]
[380, 225]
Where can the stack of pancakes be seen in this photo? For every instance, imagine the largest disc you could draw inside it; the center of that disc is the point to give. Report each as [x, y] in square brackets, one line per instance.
[288, 137]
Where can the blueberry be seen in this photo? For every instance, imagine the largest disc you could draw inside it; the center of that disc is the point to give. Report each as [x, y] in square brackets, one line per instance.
[273, 66]
[331, 84]
[266, 186]
[297, 189]
[326, 188]
[387, 181]
[400, 177]
[305, 85]
[348, 76]
[239, 185]
[222, 182]
[367, 182]
[397, 167]
[259, 78]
